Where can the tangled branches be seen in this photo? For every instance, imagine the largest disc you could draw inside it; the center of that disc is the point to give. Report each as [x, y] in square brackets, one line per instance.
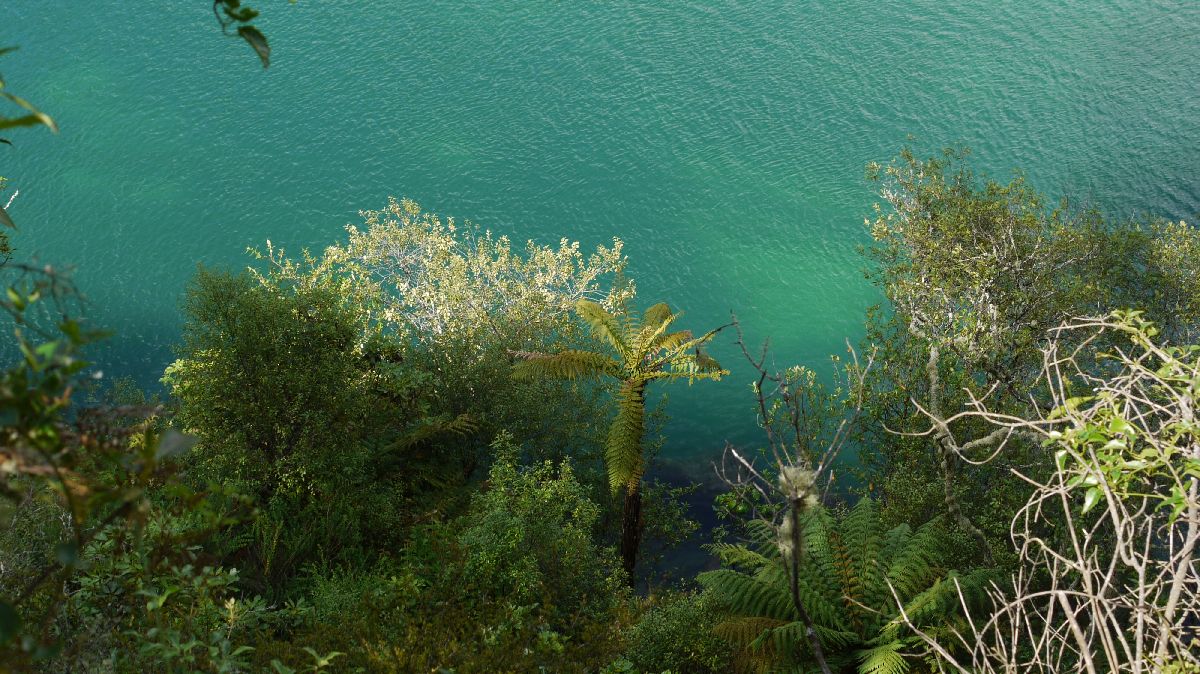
[1108, 579]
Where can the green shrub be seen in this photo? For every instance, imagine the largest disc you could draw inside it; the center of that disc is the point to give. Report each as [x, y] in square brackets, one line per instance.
[516, 584]
[677, 635]
[528, 539]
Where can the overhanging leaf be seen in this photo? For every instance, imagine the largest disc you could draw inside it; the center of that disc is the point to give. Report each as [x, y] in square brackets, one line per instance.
[34, 117]
[258, 42]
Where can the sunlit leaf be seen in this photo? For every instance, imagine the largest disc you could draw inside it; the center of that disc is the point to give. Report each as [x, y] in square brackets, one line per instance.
[34, 117]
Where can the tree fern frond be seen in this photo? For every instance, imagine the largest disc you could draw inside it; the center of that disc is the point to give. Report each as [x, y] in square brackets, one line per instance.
[824, 607]
[842, 583]
[862, 540]
[653, 328]
[671, 341]
[623, 450]
[739, 556]
[748, 596]
[743, 631]
[764, 537]
[884, 659]
[657, 315]
[940, 602]
[570, 364]
[706, 363]
[789, 640]
[693, 366]
[915, 564]
[836, 638]
[606, 327]
[463, 424]
[818, 555]
[895, 540]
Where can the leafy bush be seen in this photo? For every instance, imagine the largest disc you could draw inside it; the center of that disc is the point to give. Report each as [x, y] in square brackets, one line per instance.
[514, 585]
[677, 635]
[528, 539]
[272, 381]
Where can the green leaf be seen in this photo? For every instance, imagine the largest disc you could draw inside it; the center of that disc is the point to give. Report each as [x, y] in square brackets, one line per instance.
[47, 350]
[34, 117]
[10, 622]
[1090, 498]
[258, 42]
[15, 298]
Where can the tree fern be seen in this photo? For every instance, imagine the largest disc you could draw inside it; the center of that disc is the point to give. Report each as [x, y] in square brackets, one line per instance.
[848, 569]
[645, 352]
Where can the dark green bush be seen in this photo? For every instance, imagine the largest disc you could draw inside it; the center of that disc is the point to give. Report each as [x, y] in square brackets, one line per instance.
[677, 635]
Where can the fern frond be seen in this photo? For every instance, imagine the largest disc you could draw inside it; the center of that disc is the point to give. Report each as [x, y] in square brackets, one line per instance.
[570, 364]
[748, 596]
[823, 607]
[789, 640]
[743, 631]
[671, 341]
[940, 603]
[650, 333]
[605, 326]
[863, 575]
[461, 425]
[739, 556]
[884, 659]
[895, 540]
[657, 315]
[818, 554]
[842, 583]
[915, 563]
[764, 537]
[692, 366]
[623, 450]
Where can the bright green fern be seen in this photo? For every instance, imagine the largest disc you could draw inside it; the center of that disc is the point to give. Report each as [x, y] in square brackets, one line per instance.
[845, 569]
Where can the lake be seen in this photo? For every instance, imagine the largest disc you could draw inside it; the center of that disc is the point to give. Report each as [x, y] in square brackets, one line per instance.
[723, 141]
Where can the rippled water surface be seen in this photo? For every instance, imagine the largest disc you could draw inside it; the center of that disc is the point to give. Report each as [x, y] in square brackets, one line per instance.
[723, 141]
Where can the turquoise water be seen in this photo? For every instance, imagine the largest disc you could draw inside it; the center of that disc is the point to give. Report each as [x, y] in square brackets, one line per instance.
[723, 141]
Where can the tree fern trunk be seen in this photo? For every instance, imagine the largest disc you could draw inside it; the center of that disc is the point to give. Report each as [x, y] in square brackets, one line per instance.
[631, 529]
[793, 561]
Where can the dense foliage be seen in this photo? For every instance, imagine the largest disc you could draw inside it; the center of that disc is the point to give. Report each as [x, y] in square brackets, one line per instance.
[854, 579]
[976, 274]
[408, 452]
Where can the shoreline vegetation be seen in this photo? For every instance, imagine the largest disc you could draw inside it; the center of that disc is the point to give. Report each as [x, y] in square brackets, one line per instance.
[424, 448]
